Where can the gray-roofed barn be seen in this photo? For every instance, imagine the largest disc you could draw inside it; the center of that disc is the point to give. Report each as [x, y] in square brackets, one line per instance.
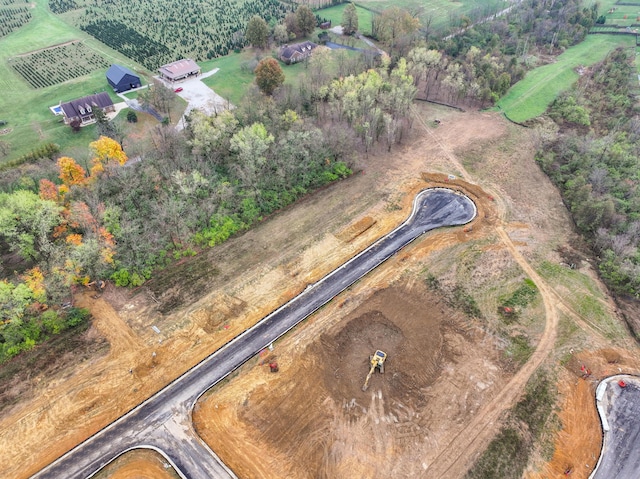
[179, 70]
[122, 79]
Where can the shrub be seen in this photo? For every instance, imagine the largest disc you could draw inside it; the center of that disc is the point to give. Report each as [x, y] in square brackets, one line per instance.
[132, 117]
[76, 316]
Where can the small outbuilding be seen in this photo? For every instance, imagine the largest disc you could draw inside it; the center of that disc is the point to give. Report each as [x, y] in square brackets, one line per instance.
[180, 70]
[83, 109]
[297, 52]
[122, 79]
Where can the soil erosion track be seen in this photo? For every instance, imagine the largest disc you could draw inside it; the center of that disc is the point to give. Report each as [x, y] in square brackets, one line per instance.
[460, 454]
[163, 422]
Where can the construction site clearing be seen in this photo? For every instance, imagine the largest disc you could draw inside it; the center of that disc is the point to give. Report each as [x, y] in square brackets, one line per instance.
[314, 420]
[447, 374]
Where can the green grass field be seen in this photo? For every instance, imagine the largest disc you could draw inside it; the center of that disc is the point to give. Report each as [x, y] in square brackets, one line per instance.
[531, 96]
[232, 81]
[335, 15]
[27, 109]
[441, 12]
[235, 76]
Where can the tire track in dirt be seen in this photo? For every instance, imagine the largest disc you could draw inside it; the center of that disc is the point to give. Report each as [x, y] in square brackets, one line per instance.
[120, 336]
[445, 149]
[458, 456]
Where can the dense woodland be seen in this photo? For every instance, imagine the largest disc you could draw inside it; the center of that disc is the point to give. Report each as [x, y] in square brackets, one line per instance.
[106, 216]
[595, 161]
[478, 65]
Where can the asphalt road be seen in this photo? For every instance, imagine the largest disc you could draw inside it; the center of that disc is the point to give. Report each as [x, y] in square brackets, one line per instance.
[163, 422]
[619, 409]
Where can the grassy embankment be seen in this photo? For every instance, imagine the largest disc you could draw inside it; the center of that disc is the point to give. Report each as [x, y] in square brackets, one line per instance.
[531, 96]
[27, 109]
[439, 12]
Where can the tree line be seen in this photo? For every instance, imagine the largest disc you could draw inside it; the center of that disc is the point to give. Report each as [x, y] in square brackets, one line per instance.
[595, 160]
[104, 216]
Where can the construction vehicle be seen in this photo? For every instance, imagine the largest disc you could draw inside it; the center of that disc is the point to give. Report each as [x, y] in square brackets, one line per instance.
[377, 362]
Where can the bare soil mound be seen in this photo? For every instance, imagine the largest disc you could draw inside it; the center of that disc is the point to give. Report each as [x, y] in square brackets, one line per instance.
[412, 333]
[138, 464]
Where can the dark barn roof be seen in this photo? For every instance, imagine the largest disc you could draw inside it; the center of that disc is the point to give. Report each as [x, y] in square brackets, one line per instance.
[121, 78]
[84, 106]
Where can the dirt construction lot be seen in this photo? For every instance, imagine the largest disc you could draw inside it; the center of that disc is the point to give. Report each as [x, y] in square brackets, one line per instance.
[313, 419]
[450, 377]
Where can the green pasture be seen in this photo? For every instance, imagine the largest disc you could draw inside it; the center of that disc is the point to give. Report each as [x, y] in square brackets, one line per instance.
[335, 15]
[531, 96]
[617, 17]
[232, 80]
[440, 12]
[234, 76]
[27, 109]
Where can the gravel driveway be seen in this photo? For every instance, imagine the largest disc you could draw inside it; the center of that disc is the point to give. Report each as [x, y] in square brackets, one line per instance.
[199, 96]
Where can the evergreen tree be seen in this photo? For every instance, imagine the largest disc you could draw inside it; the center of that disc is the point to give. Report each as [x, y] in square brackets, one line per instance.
[257, 33]
[349, 20]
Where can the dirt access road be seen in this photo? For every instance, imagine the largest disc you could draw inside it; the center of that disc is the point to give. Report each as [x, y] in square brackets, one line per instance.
[203, 302]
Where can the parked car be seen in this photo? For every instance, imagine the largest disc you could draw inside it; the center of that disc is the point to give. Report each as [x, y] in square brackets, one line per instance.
[178, 90]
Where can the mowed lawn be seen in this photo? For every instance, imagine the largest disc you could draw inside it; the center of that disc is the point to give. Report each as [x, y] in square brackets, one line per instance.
[335, 15]
[26, 109]
[235, 75]
[531, 96]
[439, 12]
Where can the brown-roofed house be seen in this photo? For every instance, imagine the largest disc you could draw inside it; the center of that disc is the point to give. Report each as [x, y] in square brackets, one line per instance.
[180, 70]
[297, 52]
[83, 109]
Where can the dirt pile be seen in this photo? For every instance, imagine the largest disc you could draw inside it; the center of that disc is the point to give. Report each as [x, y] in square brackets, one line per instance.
[412, 336]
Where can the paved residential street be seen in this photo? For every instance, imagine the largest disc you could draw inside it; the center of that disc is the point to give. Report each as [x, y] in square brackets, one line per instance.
[619, 409]
[163, 422]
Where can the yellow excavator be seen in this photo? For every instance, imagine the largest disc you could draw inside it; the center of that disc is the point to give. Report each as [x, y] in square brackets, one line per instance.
[377, 361]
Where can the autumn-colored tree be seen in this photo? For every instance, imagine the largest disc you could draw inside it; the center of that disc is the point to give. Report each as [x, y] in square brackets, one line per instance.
[71, 173]
[291, 24]
[34, 279]
[306, 20]
[106, 150]
[269, 75]
[74, 239]
[48, 190]
[82, 216]
[257, 33]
